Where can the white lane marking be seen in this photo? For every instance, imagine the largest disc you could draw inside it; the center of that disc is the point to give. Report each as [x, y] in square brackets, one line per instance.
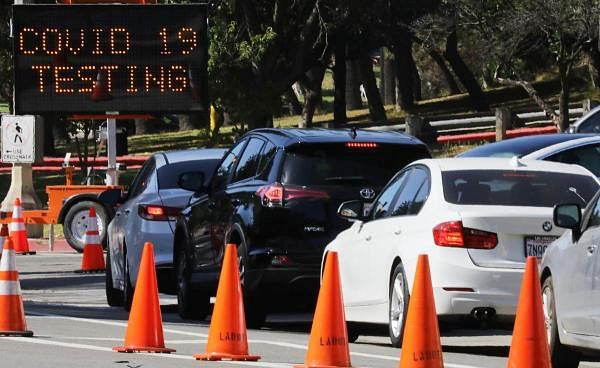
[105, 349]
[167, 342]
[267, 342]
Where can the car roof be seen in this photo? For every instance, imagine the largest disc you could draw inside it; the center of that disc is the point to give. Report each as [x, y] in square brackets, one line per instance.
[521, 146]
[594, 111]
[172, 157]
[289, 136]
[559, 147]
[497, 163]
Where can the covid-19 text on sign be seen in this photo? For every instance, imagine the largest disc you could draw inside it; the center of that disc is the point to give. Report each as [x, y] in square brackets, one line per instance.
[98, 58]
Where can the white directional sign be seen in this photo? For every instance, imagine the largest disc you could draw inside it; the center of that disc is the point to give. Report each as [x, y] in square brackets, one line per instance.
[18, 138]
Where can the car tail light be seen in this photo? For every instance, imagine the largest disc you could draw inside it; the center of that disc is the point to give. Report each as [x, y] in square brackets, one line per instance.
[276, 195]
[453, 234]
[154, 212]
[361, 145]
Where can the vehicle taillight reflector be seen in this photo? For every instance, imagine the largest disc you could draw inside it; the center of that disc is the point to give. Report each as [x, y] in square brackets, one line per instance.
[453, 234]
[158, 213]
[361, 145]
[155, 211]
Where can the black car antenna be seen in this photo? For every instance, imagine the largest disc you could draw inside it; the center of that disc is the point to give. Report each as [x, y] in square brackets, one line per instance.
[353, 132]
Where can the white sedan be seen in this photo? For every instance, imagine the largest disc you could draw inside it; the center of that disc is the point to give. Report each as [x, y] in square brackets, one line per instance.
[570, 272]
[476, 218]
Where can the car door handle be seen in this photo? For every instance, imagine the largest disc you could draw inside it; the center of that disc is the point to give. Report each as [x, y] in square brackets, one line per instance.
[592, 248]
[235, 202]
[398, 232]
[212, 204]
[368, 238]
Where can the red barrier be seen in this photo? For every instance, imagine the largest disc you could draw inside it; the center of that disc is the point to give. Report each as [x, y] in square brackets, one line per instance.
[54, 164]
[488, 136]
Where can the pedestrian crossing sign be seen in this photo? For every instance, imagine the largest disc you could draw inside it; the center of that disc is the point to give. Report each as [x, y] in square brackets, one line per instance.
[18, 138]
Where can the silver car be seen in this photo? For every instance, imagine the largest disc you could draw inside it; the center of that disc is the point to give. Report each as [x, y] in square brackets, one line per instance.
[570, 276]
[147, 214]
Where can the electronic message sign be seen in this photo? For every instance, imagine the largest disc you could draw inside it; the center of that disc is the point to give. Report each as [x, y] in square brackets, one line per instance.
[99, 58]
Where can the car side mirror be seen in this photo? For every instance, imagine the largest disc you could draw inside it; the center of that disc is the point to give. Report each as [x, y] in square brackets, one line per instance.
[568, 216]
[352, 210]
[192, 181]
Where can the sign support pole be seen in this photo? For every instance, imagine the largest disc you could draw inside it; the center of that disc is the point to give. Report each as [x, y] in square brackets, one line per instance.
[112, 177]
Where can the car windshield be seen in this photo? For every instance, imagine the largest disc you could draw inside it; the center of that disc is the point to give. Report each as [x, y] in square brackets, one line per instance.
[516, 188]
[338, 163]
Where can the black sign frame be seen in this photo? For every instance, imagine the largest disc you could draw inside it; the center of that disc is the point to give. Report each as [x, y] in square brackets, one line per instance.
[93, 59]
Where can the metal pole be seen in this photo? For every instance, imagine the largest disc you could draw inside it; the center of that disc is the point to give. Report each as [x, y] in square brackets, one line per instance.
[111, 150]
[51, 238]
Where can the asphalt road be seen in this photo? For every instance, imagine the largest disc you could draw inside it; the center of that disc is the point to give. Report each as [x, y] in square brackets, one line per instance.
[73, 327]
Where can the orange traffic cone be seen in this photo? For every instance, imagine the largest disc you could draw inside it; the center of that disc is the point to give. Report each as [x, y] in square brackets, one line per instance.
[12, 314]
[421, 347]
[100, 92]
[93, 256]
[328, 345]
[227, 338]
[18, 232]
[529, 344]
[144, 328]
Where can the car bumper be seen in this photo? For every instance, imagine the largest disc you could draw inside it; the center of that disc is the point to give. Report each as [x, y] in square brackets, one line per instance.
[472, 287]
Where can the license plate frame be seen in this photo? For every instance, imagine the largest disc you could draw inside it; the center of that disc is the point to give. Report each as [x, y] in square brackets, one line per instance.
[536, 245]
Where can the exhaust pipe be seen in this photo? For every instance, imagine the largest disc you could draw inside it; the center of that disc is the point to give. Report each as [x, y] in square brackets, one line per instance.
[483, 313]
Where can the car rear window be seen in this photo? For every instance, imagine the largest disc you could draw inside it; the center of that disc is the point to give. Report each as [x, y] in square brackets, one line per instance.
[168, 175]
[343, 164]
[516, 188]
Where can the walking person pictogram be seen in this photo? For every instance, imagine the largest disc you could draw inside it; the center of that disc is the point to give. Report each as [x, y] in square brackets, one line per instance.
[18, 134]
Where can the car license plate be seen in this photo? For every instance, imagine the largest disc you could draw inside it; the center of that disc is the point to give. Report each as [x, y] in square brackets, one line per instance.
[535, 245]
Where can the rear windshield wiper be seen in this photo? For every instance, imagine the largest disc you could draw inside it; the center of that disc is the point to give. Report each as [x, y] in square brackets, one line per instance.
[346, 179]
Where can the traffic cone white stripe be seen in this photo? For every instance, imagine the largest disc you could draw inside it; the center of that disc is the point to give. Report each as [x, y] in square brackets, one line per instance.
[91, 240]
[16, 226]
[8, 263]
[9, 288]
[17, 213]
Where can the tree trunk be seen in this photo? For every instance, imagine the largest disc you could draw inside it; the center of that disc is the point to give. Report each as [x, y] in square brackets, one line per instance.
[312, 86]
[563, 99]
[353, 100]
[388, 78]
[339, 82]
[294, 106]
[405, 67]
[594, 56]
[439, 60]
[141, 126]
[192, 121]
[376, 109]
[464, 74]
[49, 122]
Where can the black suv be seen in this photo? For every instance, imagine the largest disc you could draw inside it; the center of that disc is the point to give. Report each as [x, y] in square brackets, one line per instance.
[275, 194]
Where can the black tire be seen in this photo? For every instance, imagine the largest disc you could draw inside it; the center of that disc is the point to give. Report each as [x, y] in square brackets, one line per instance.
[128, 290]
[254, 306]
[190, 305]
[398, 305]
[75, 223]
[353, 331]
[114, 297]
[562, 356]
